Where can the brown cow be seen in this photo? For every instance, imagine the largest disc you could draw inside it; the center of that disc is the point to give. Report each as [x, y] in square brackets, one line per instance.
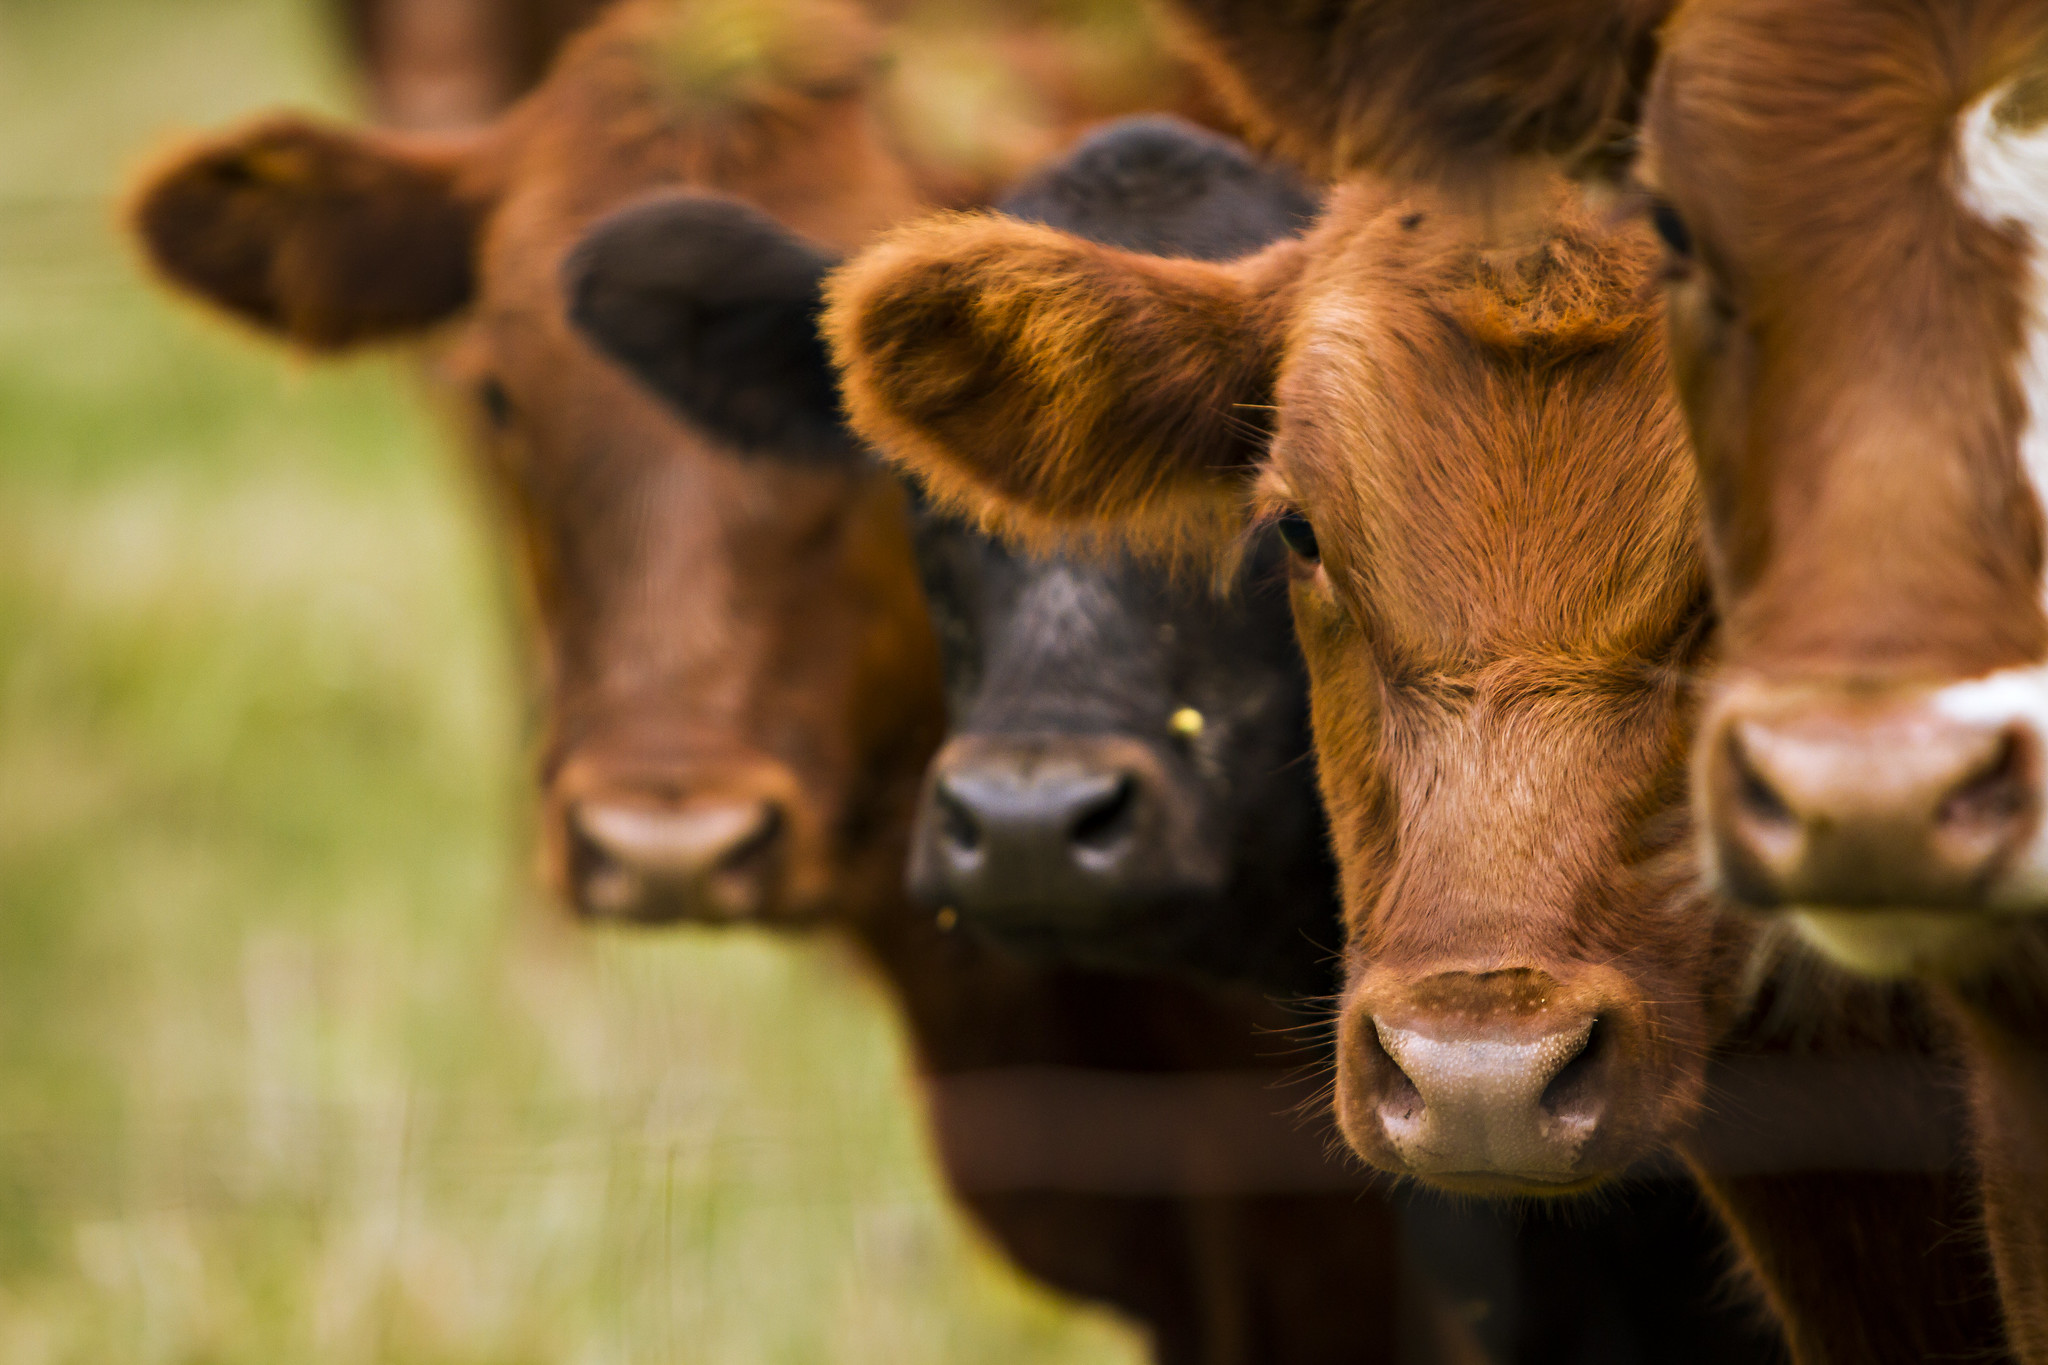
[743, 688]
[1475, 456]
[1851, 193]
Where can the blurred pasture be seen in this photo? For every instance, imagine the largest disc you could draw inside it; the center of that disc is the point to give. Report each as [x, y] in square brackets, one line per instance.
[296, 1063]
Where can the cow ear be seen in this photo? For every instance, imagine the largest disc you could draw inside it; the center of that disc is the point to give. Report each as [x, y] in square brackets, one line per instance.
[1445, 90]
[1048, 384]
[714, 306]
[321, 235]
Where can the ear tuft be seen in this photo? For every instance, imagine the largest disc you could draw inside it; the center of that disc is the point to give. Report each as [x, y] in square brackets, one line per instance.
[714, 305]
[327, 237]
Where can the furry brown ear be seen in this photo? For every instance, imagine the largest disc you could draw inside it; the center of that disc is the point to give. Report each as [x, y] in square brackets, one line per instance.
[1047, 384]
[325, 236]
[1445, 90]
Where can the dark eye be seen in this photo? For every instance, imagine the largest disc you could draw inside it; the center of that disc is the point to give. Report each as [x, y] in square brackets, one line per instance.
[1297, 535]
[497, 403]
[1677, 236]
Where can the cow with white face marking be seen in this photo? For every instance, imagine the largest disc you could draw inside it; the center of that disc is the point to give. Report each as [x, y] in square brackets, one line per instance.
[1855, 199]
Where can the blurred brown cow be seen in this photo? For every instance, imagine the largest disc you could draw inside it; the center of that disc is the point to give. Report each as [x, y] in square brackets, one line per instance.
[743, 686]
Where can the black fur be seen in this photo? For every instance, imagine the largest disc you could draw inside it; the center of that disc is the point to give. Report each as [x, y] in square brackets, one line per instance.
[1165, 187]
[714, 305]
[1051, 646]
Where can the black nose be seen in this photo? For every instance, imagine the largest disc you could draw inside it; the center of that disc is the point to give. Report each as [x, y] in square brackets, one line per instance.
[1052, 817]
[1052, 833]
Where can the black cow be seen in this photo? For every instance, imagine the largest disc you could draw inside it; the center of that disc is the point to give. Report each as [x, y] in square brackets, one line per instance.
[1127, 778]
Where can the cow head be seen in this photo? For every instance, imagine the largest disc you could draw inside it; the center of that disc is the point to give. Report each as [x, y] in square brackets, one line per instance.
[1470, 450]
[1851, 195]
[742, 684]
[1125, 778]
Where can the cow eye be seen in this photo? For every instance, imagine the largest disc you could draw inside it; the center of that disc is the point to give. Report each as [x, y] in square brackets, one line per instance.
[497, 403]
[1299, 536]
[1671, 227]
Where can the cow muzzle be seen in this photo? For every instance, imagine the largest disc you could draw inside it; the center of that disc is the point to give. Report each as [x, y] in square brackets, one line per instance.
[1057, 835]
[1892, 826]
[709, 848]
[1486, 1082]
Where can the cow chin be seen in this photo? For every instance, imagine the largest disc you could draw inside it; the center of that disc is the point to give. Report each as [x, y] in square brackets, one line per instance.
[1894, 944]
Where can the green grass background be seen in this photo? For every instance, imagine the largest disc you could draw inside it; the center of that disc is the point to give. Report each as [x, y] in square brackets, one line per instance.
[296, 1063]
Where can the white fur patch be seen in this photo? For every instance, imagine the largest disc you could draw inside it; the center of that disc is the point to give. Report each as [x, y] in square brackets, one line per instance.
[2012, 695]
[2002, 177]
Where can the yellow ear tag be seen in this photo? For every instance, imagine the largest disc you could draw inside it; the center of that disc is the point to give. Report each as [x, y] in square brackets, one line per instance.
[1187, 723]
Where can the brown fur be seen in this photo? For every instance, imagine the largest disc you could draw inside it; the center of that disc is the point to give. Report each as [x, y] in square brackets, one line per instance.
[1439, 89]
[1508, 603]
[1845, 340]
[978, 90]
[2003, 1019]
[456, 63]
[329, 239]
[723, 621]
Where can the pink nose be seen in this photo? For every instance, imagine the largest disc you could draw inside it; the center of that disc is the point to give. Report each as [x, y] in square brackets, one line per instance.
[711, 859]
[1828, 801]
[1487, 1081]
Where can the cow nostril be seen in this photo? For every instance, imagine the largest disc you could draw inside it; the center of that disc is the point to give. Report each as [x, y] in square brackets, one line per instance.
[1400, 1099]
[601, 884]
[1573, 1092]
[757, 846]
[1109, 820]
[1998, 791]
[957, 825]
[1754, 793]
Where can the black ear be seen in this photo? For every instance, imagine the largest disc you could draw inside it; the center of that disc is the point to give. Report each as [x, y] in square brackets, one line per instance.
[1161, 185]
[714, 306]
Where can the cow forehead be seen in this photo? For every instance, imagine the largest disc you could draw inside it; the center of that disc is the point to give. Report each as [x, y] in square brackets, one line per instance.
[619, 118]
[1824, 134]
[1485, 442]
[1848, 170]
